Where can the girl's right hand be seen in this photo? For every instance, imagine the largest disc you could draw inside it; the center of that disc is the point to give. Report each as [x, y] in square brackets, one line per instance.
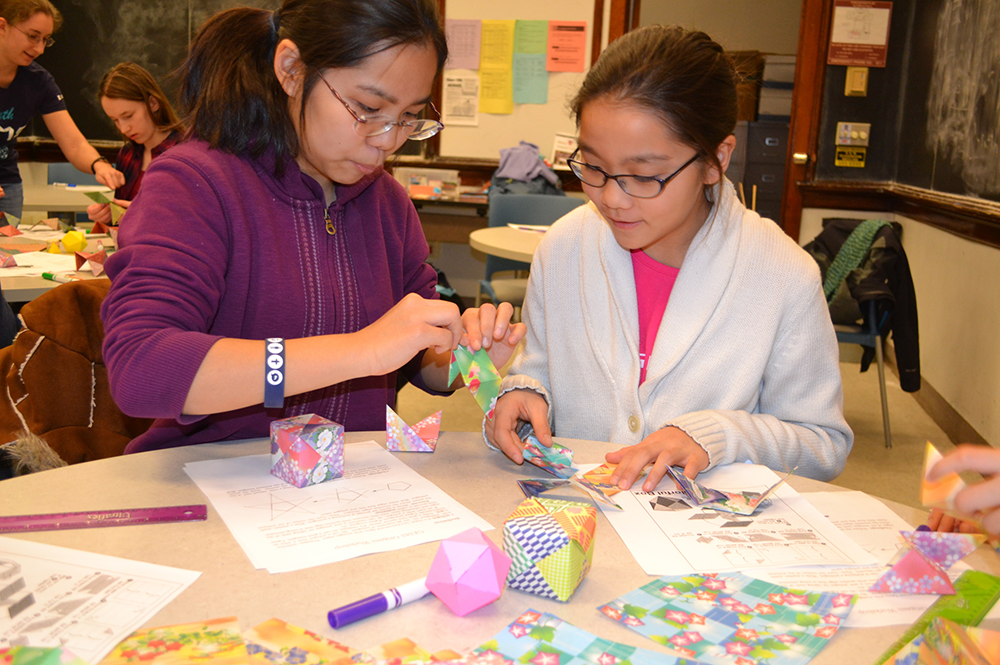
[99, 212]
[413, 325]
[513, 409]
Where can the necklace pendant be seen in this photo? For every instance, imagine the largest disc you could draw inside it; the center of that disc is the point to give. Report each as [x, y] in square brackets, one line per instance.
[329, 222]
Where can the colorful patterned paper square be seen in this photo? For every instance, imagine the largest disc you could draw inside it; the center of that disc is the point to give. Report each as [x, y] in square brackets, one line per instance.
[739, 503]
[722, 618]
[551, 546]
[22, 655]
[923, 561]
[212, 642]
[276, 642]
[537, 638]
[421, 438]
[307, 450]
[480, 374]
[557, 460]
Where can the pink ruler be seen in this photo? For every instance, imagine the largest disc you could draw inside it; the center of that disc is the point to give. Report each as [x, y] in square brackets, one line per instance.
[98, 518]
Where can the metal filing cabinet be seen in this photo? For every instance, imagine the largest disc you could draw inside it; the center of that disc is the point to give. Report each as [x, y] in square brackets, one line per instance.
[767, 147]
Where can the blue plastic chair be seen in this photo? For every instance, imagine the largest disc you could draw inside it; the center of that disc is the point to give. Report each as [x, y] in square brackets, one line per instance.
[868, 335]
[532, 209]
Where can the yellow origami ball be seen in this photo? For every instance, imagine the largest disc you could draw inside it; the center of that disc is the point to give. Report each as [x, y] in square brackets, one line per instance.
[74, 241]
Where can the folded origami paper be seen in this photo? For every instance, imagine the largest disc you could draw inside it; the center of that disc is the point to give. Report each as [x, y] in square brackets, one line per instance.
[7, 260]
[74, 241]
[557, 460]
[22, 655]
[481, 376]
[922, 564]
[212, 642]
[307, 450]
[533, 487]
[10, 231]
[723, 618]
[742, 503]
[421, 438]
[600, 478]
[551, 544]
[537, 638]
[99, 227]
[468, 572]
[946, 641]
[116, 210]
[11, 219]
[938, 493]
[95, 261]
[276, 642]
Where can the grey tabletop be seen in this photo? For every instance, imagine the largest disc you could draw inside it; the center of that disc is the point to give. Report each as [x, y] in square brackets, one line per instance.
[480, 479]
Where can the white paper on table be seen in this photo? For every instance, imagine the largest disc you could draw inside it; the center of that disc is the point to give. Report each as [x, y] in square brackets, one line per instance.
[674, 538]
[85, 602]
[875, 527]
[33, 264]
[379, 505]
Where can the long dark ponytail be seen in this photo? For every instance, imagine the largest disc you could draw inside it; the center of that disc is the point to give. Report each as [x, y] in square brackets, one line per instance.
[230, 94]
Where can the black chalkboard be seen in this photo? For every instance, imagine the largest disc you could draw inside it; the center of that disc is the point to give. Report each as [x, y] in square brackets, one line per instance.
[934, 108]
[98, 34]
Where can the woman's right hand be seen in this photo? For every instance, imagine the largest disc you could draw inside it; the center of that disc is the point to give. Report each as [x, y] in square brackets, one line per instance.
[413, 325]
[99, 212]
[513, 409]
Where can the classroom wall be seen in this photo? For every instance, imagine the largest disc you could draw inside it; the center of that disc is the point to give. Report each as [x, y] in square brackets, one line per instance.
[771, 26]
[959, 315]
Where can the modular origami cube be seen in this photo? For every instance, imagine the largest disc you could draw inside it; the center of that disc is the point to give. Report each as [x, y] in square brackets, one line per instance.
[551, 544]
[307, 450]
[468, 572]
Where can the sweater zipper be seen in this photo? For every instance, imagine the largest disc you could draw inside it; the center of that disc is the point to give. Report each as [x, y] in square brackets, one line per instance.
[329, 222]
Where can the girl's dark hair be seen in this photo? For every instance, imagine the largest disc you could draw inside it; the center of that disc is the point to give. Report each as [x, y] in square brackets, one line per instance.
[681, 75]
[17, 12]
[230, 94]
[128, 80]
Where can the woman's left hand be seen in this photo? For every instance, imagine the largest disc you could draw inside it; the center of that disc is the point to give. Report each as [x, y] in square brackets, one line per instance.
[669, 446]
[489, 327]
[108, 175]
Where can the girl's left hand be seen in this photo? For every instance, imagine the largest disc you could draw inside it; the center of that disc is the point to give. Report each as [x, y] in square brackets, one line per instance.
[669, 446]
[489, 327]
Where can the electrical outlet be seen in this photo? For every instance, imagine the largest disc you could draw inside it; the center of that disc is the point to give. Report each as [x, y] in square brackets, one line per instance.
[853, 133]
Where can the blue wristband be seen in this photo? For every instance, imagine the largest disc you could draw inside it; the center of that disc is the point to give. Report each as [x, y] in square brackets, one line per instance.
[274, 373]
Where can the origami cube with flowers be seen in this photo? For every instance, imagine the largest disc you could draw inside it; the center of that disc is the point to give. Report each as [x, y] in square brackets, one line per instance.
[551, 545]
[306, 450]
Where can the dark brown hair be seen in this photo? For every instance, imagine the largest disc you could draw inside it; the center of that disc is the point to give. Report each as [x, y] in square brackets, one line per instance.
[128, 80]
[681, 75]
[18, 11]
[229, 93]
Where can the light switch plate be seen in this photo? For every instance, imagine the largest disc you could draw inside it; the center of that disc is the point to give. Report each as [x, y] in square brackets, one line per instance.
[853, 133]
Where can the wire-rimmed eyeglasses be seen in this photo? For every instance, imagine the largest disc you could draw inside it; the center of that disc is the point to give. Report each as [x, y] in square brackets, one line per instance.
[36, 38]
[639, 186]
[376, 125]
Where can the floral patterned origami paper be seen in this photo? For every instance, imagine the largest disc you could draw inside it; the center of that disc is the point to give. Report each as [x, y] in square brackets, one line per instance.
[276, 642]
[537, 638]
[557, 460]
[742, 503]
[481, 376]
[212, 642]
[307, 450]
[729, 618]
[551, 543]
[421, 438]
[923, 562]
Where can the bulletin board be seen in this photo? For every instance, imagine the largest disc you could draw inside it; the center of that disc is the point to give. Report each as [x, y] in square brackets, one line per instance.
[536, 123]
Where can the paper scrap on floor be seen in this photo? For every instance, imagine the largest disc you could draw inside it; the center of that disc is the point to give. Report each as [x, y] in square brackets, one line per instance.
[669, 537]
[379, 505]
[84, 602]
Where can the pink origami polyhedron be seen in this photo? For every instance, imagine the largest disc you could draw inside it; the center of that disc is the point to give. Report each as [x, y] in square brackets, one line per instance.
[7, 260]
[307, 450]
[468, 572]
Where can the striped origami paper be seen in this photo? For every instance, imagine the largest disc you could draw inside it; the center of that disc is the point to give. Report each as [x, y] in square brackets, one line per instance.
[551, 544]
[421, 438]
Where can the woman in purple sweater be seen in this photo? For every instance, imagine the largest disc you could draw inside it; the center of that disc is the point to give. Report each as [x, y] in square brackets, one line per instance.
[277, 222]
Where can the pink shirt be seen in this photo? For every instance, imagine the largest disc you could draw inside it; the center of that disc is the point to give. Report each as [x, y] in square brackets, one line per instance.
[653, 284]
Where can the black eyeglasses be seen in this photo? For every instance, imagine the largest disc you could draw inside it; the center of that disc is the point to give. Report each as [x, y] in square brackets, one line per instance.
[639, 186]
[36, 38]
[376, 125]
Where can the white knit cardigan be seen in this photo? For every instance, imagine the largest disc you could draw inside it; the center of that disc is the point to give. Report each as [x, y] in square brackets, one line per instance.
[745, 360]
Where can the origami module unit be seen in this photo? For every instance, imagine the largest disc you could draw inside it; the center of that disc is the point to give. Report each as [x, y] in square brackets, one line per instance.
[7, 260]
[557, 460]
[116, 210]
[94, 261]
[551, 544]
[307, 450]
[10, 231]
[921, 565]
[99, 227]
[481, 376]
[421, 438]
[741, 503]
[74, 241]
[468, 572]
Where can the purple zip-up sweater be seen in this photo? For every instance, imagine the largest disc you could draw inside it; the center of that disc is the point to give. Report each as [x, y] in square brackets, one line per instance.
[216, 246]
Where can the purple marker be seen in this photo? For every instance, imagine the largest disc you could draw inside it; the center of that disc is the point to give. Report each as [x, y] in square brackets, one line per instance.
[380, 602]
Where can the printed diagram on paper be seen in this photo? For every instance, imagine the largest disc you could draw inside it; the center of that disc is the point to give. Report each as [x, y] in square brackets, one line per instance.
[288, 503]
[668, 536]
[87, 603]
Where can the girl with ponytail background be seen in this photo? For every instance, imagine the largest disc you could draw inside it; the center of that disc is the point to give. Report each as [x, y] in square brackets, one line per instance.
[277, 221]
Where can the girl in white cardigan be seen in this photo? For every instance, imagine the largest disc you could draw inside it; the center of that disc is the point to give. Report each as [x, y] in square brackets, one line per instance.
[665, 316]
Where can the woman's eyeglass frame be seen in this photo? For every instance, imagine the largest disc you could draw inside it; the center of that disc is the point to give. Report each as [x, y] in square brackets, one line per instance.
[36, 38]
[577, 167]
[428, 126]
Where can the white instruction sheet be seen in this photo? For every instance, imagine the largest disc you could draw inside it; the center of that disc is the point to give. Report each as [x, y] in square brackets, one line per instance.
[380, 504]
[669, 537]
[88, 603]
